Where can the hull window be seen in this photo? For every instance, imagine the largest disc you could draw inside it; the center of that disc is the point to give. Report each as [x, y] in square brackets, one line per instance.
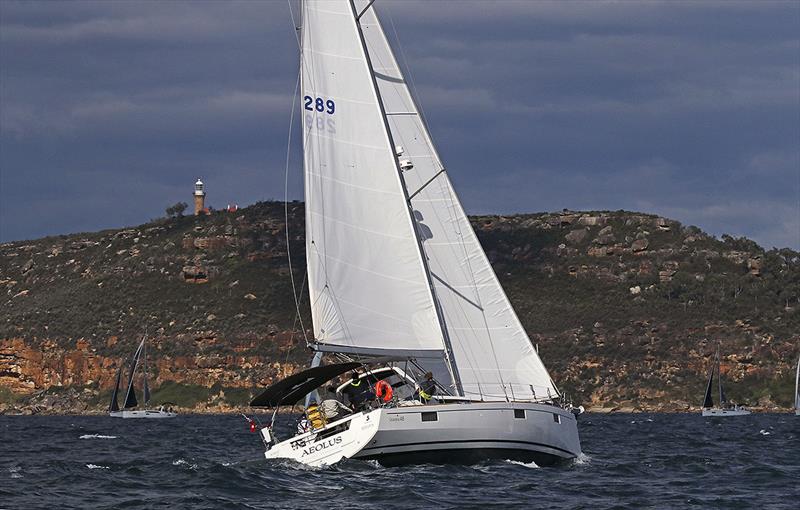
[556, 418]
[519, 413]
[430, 416]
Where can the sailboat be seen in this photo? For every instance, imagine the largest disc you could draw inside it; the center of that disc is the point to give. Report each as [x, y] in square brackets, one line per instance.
[398, 282]
[797, 389]
[131, 402]
[724, 408]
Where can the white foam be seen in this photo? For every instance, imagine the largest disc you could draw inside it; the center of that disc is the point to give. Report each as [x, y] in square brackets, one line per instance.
[95, 466]
[15, 471]
[181, 462]
[96, 436]
[763, 432]
[530, 464]
[582, 459]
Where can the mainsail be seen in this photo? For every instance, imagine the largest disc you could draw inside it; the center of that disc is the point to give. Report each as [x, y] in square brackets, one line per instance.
[366, 279]
[393, 261]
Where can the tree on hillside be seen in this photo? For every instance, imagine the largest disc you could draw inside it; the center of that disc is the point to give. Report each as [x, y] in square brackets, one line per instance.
[176, 209]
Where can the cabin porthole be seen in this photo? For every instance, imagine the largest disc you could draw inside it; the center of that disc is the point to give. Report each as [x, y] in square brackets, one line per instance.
[519, 413]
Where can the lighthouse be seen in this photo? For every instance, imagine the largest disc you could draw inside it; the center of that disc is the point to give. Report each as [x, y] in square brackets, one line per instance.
[199, 198]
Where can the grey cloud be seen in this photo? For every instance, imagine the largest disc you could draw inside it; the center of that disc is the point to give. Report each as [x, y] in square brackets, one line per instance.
[110, 110]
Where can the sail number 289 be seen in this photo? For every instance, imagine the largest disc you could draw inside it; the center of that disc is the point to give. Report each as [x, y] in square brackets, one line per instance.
[319, 105]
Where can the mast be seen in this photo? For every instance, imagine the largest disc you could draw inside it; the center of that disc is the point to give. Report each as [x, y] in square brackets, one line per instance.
[145, 388]
[719, 380]
[439, 315]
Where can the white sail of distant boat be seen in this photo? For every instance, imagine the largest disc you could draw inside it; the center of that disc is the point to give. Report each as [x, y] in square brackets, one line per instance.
[131, 402]
[797, 389]
[395, 269]
[724, 408]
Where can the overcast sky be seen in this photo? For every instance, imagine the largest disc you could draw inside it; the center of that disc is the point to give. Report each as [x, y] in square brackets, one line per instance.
[110, 110]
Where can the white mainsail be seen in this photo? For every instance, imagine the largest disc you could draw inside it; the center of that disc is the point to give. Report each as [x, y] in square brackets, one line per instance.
[367, 283]
[494, 356]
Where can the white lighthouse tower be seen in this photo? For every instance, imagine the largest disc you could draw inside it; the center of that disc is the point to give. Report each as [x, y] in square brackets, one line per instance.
[199, 197]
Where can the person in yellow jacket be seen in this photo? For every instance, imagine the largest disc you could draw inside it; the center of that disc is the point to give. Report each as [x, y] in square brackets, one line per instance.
[427, 389]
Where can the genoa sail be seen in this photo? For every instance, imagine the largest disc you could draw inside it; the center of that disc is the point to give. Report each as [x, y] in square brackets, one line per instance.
[797, 387]
[494, 356]
[708, 401]
[367, 283]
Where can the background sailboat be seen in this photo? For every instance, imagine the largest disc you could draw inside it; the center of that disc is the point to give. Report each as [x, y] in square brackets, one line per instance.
[724, 408]
[131, 402]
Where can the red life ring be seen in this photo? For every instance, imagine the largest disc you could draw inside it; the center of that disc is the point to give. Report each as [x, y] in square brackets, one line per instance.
[383, 391]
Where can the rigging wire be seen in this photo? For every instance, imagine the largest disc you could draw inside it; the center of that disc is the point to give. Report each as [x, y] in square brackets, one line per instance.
[298, 316]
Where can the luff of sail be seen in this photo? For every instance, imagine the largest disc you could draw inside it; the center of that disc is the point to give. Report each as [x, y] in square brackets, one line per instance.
[494, 356]
[367, 284]
[114, 406]
[130, 395]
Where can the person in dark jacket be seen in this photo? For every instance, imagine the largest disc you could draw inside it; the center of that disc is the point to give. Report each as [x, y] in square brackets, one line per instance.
[357, 391]
[427, 389]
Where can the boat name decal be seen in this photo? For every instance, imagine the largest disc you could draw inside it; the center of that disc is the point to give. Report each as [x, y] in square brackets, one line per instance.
[321, 446]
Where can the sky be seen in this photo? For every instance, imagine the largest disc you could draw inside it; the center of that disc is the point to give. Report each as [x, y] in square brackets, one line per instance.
[110, 110]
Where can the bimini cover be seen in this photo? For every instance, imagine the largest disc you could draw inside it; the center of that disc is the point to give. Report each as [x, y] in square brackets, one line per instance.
[295, 387]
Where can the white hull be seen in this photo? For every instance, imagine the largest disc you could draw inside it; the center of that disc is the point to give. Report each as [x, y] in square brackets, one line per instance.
[449, 433]
[717, 412]
[157, 413]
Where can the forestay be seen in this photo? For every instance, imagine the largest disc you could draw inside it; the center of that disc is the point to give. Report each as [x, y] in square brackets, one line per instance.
[368, 287]
[494, 356]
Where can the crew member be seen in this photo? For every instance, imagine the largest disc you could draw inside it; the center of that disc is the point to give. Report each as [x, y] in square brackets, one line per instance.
[357, 391]
[427, 389]
[332, 409]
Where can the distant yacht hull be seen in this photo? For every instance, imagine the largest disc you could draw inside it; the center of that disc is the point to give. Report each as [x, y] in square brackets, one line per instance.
[442, 434]
[717, 412]
[147, 413]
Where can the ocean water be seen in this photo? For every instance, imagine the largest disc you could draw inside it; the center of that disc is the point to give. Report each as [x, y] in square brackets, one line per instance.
[198, 462]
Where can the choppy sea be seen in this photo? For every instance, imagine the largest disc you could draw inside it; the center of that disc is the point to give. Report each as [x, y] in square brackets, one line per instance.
[198, 462]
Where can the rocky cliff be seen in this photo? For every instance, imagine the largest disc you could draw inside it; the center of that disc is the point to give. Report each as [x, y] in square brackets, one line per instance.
[625, 308]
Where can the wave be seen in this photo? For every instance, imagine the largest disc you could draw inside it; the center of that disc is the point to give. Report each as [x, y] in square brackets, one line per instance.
[96, 436]
[530, 464]
[95, 466]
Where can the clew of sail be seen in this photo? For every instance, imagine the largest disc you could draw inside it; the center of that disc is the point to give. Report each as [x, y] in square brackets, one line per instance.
[367, 283]
[494, 356]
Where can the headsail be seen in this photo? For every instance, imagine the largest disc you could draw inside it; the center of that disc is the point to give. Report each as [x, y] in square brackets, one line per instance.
[130, 396]
[114, 403]
[797, 387]
[708, 401]
[492, 351]
[367, 284]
